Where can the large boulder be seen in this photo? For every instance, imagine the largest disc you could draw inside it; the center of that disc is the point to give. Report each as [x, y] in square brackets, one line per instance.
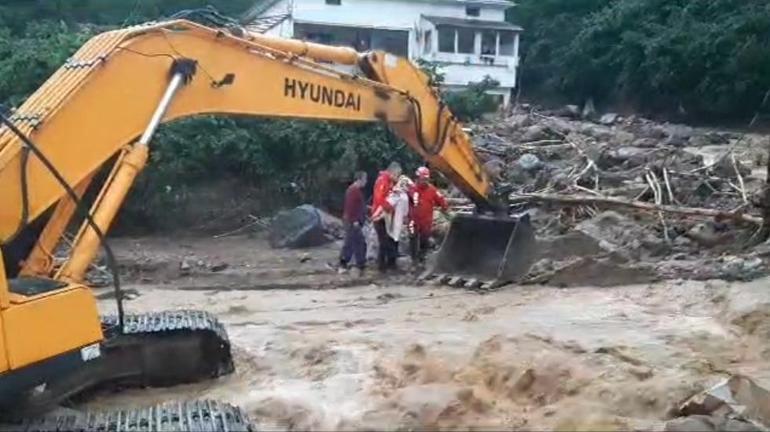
[298, 228]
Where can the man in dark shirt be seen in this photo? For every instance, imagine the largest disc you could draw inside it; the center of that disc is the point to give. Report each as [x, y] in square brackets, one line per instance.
[354, 216]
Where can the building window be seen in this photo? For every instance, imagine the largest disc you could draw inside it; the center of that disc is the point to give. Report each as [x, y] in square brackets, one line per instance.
[322, 38]
[465, 40]
[334, 2]
[507, 43]
[473, 11]
[488, 43]
[446, 39]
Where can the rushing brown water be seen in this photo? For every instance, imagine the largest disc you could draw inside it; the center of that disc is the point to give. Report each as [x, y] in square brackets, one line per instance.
[407, 357]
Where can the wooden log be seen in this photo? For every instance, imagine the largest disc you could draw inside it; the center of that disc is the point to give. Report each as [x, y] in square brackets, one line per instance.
[620, 202]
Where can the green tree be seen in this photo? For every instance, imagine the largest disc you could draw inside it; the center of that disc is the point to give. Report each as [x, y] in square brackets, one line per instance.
[474, 101]
[469, 103]
[28, 58]
[710, 58]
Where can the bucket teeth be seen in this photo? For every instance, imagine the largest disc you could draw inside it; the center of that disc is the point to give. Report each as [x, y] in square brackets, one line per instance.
[429, 278]
[440, 279]
[437, 279]
[426, 276]
[472, 283]
[456, 281]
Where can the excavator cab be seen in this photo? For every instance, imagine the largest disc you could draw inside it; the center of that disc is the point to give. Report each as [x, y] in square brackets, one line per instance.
[484, 251]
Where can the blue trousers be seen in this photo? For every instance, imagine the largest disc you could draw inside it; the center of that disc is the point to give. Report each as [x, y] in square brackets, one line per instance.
[354, 246]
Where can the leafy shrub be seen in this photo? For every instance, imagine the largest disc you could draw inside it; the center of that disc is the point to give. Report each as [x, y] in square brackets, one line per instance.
[707, 58]
[467, 104]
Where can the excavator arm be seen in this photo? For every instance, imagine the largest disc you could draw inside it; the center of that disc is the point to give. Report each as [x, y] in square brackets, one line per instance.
[103, 98]
[109, 92]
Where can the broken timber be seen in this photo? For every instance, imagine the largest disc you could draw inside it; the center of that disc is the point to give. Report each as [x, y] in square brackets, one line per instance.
[619, 202]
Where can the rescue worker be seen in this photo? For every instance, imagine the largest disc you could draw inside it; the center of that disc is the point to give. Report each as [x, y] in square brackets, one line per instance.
[387, 251]
[397, 221]
[424, 198]
[354, 216]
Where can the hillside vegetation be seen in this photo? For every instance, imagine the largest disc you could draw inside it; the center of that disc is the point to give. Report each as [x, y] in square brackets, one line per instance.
[696, 59]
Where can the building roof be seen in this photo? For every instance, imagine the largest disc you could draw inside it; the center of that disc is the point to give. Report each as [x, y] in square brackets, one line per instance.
[473, 23]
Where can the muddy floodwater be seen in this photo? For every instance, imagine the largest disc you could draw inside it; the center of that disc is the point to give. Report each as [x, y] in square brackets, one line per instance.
[386, 354]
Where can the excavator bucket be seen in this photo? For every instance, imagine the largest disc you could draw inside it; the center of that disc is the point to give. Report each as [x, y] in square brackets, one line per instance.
[484, 252]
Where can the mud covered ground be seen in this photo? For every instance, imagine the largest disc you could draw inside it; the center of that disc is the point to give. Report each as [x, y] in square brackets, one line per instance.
[317, 351]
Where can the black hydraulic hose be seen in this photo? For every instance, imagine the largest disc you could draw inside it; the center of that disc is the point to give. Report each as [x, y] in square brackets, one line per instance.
[111, 261]
[441, 133]
[24, 217]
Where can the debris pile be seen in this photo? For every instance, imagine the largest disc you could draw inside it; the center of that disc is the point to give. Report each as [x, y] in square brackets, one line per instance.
[649, 200]
[736, 404]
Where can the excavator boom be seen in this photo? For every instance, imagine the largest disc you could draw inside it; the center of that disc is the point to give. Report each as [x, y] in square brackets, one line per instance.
[102, 108]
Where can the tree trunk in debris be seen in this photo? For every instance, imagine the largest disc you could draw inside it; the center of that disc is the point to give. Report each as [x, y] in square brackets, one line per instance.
[765, 231]
[639, 205]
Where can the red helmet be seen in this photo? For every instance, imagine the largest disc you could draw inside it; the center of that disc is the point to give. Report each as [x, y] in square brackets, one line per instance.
[423, 172]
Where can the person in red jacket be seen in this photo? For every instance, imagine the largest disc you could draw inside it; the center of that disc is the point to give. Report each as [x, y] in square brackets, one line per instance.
[424, 198]
[388, 249]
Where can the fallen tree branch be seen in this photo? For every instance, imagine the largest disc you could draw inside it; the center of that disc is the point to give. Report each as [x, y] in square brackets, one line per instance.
[574, 200]
[652, 179]
[539, 143]
[572, 144]
[254, 221]
[671, 196]
[742, 188]
[542, 147]
[493, 152]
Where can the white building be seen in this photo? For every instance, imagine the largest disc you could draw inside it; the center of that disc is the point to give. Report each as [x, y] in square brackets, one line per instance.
[470, 39]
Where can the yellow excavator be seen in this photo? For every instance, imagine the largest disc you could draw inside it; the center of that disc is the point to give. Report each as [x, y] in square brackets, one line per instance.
[98, 113]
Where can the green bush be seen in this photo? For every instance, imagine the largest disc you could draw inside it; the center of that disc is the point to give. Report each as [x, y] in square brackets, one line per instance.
[284, 162]
[474, 101]
[467, 104]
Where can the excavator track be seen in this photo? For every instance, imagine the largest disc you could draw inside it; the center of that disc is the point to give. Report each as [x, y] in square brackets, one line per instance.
[164, 334]
[199, 415]
[154, 350]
